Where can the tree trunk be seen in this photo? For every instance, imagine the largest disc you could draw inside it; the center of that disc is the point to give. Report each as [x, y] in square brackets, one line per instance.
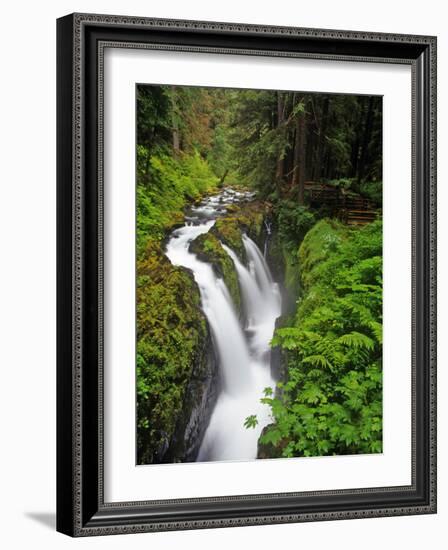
[280, 120]
[223, 177]
[174, 122]
[149, 142]
[302, 163]
[298, 179]
[356, 144]
[176, 140]
[320, 143]
[366, 140]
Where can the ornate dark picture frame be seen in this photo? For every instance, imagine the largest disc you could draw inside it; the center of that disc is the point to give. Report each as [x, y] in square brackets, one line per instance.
[81, 510]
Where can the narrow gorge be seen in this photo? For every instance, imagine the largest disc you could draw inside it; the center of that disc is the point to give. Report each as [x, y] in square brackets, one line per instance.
[241, 325]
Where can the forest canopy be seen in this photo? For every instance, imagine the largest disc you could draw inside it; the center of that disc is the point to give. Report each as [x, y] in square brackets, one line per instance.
[271, 140]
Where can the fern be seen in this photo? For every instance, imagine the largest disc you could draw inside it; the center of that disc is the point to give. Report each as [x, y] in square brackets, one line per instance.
[357, 340]
[331, 402]
[317, 361]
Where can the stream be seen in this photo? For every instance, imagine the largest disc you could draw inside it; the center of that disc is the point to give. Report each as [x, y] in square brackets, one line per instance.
[242, 348]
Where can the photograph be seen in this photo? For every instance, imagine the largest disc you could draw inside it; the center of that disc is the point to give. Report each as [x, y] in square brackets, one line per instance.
[259, 260]
[246, 272]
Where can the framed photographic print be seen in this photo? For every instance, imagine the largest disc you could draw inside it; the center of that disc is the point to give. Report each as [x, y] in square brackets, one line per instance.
[246, 274]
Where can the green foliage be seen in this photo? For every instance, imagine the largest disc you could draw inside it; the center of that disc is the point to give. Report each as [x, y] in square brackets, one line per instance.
[343, 139]
[293, 221]
[153, 117]
[373, 190]
[331, 402]
[167, 186]
[257, 143]
[220, 156]
[342, 183]
[251, 421]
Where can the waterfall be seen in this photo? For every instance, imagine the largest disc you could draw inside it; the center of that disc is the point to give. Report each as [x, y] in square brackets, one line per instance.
[251, 293]
[243, 353]
[258, 263]
[217, 306]
[268, 235]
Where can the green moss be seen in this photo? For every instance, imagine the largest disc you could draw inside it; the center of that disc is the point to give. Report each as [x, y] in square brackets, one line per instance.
[228, 231]
[250, 216]
[171, 336]
[247, 218]
[208, 248]
[318, 245]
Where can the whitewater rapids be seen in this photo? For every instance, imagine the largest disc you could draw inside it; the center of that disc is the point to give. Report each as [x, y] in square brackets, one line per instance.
[243, 351]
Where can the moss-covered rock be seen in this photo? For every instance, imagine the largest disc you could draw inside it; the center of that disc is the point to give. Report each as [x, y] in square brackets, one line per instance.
[229, 232]
[245, 217]
[173, 350]
[251, 218]
[209, 249]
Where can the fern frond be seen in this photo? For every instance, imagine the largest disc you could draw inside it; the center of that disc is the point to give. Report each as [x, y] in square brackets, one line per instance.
[357, 340]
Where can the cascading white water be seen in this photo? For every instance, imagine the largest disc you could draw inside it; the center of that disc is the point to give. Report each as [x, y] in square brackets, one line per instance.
[254, 306]
[217, 306]
[258, 265]
[268, 228]
[243, 355]
[262, 301]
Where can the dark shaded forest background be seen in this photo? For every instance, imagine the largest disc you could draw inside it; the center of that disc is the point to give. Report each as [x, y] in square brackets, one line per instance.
[315, 162]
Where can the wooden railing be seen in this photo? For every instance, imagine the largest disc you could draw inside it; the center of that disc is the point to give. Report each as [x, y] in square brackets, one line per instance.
[352, 209]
